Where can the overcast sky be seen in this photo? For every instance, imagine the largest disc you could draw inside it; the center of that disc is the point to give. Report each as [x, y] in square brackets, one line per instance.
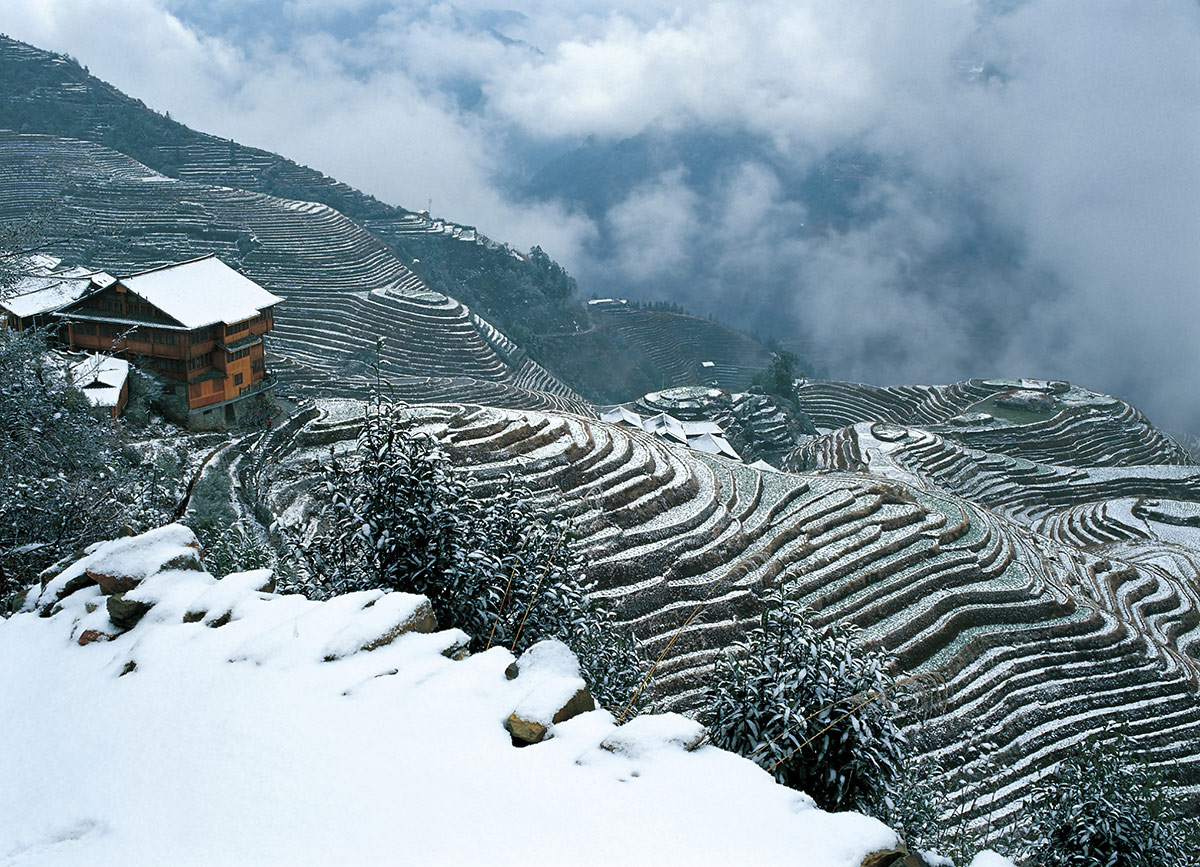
[1065, 133]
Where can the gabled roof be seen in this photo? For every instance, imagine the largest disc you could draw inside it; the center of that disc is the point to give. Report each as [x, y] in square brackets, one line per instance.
[666, 426]
[100, 378]
[44, 287]
[35, 295]
[619, 414]
[696, 428]
[713, 445]
[201, 292]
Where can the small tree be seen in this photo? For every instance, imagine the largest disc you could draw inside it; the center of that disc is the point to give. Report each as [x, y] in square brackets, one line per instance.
[235, 548]
[400, 516]
[811, 708]
[1104, 807]
[779, 377]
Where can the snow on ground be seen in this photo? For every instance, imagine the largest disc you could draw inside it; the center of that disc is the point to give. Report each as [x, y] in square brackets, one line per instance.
[286, 736]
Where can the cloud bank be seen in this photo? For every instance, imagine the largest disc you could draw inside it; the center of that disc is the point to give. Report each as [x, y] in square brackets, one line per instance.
[908, 191]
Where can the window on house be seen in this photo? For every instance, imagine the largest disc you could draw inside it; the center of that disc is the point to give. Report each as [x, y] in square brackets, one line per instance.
[237, 379]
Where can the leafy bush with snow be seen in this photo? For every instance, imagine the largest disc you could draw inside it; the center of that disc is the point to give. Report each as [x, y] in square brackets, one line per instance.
[1105, 807]
[810, 708]
[399, 516]
[58, 489]
[236, 548]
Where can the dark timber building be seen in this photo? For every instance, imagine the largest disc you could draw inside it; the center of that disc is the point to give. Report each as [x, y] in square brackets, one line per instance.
[200, 322]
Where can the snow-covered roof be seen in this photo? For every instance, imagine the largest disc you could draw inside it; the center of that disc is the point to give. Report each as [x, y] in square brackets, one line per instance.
[100, 378]
[665, 426]
[49, 295]
[42, 262]
[44, 287]
[619, 415]
[696, 428]
[201, 292]
[713, 445]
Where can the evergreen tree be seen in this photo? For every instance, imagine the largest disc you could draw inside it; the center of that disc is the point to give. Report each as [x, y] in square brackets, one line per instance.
[1105, 807]
[780, 376]
[400, 516]
[811, 708]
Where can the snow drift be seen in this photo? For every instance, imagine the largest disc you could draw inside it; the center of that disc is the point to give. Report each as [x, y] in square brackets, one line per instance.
[232, 725]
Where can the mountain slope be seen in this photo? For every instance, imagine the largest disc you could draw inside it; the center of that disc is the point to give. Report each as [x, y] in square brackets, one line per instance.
[345, 732]
[343, 288]
[1028, 636]
[44, 93]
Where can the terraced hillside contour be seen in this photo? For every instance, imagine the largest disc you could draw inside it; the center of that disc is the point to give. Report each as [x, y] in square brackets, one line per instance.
[1048, 422]
[344, 290]
[686, 350]
[51, 94]
[1036, 641]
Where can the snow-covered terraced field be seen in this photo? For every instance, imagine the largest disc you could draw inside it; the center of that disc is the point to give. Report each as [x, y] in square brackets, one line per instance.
[679, 345]
[344, 290]
[1029, 641]
[1074, 426]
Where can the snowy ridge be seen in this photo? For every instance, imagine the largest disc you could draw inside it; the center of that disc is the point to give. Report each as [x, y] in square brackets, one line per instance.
[225, 708]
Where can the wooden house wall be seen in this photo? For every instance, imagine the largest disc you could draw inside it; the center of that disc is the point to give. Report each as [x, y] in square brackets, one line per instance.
[180, 355]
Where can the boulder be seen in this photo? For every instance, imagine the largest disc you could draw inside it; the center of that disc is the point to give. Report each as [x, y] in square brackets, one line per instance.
[524, 731]
[125, 613]
[420, 620]
[531, 731]
[216, 605]
[380, 622]
[113, 584]
[647, 734]
[553, 692]
[121, 564]
[88, 636]
[71, 585]
[899, 857]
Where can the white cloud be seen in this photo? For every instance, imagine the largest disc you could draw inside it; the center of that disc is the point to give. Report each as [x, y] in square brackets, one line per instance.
[655, 227]
[1071, 131]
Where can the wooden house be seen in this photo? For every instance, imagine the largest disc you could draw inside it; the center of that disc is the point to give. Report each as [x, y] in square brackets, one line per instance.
[44, 288]
[199, 322]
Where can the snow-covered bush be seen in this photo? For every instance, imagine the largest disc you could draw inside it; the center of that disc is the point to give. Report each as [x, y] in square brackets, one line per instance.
[58, 485]
[811, 708]
[236, 548]
[400, 516]
[1105, 807]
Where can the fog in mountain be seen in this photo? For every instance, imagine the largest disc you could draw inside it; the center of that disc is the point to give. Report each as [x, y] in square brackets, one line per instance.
[904, 191]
